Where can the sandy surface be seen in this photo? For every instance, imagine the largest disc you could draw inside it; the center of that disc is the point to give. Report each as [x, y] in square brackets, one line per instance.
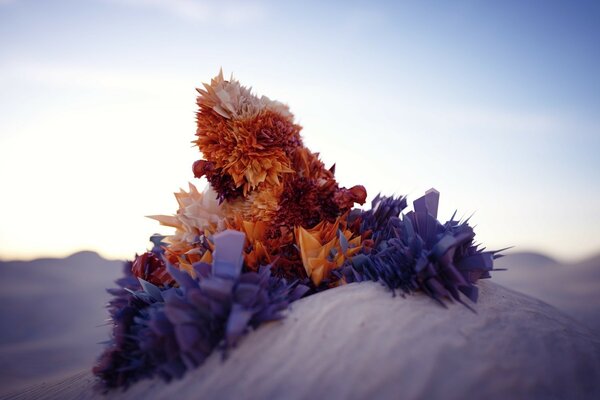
[53, 312]
[573, 288]
[359, 342]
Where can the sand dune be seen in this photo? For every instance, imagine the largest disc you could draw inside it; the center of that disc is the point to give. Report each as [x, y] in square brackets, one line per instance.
[52, 315]
[349, 342]
[573, 288]
[359, 342]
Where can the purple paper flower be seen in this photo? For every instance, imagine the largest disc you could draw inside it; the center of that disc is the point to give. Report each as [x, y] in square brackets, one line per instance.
[417, 251]
[166, 331]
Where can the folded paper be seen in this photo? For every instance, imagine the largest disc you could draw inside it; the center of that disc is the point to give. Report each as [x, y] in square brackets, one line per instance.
[271, 225]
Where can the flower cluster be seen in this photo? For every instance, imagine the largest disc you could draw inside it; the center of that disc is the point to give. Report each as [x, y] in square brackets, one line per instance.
[272, 225]
[256, 162]
[164, 331]
[416, 251]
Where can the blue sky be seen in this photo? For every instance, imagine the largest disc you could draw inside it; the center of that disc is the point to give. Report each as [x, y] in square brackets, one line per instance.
[497, 105]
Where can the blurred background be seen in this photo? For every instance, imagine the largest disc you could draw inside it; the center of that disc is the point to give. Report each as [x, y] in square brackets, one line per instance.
[496, 105]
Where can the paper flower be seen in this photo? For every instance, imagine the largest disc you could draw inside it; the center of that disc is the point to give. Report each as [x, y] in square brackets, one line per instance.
[419, 252]
[326, 247]
[271, 226]
[256, 162]
[242, 136]
[151, 268]
[166, 331]
[199, 215]
[313, 195]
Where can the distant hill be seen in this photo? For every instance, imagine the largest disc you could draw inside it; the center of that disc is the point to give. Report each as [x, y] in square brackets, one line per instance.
[590, 267]
[571, 287]
[52, 315]
[528, 258]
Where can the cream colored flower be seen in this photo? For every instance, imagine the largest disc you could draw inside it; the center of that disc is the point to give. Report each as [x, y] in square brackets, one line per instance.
[198, 213]
[229, 99]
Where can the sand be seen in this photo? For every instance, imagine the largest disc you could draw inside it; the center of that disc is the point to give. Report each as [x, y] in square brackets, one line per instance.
[358, 342]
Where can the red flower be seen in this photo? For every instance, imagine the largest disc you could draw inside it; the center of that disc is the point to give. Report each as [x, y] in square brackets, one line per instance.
[152, 269]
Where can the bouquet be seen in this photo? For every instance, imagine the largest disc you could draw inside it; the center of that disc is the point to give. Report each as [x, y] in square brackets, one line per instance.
[271, 226]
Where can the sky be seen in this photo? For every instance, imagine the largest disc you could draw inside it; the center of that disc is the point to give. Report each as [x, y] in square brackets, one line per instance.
[495, 104]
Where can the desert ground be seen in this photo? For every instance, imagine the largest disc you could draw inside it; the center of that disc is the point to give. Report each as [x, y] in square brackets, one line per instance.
[534, 333]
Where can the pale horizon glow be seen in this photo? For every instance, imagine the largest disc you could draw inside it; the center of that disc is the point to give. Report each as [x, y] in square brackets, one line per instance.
[496, 106]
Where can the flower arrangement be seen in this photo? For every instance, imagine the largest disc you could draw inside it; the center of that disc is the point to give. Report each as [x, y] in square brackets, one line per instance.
[273, 225]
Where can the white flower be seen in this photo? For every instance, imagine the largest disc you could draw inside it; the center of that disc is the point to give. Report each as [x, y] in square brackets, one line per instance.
[198, 213]
[231, 100]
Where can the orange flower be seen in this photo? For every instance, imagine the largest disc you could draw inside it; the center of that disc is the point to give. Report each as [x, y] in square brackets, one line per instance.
[256, 253]
[263, 182]
[260, 205]
[326, 247]
[245, 137]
